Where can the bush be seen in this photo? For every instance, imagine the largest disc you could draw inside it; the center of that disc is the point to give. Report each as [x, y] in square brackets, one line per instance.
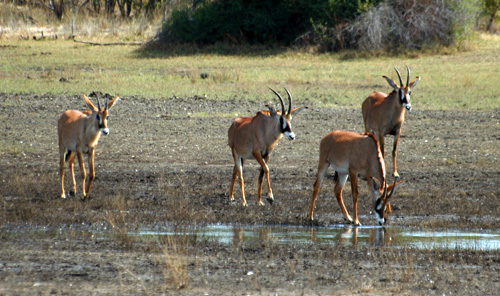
[256, 21]
[400, 24]
[326, 25]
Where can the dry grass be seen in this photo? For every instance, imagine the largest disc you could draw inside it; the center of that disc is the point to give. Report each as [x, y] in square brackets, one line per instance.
[35, 23]
[117, 218]
[172, 261]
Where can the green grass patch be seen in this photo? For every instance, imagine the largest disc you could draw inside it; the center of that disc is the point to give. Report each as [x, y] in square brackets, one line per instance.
[459, 80]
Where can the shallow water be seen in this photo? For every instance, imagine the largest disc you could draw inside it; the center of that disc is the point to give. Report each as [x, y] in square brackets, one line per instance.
[351, 236]
[392, 236]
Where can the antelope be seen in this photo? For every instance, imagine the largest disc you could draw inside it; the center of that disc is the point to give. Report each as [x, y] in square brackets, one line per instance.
[384, 114]
[79, 133]
[255, 138]
[352, 154]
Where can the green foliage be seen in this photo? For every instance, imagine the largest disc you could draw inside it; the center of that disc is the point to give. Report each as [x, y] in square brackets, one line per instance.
[327, 24]
[257, 21]
[464, 17]
[490, 9]
[348, 9]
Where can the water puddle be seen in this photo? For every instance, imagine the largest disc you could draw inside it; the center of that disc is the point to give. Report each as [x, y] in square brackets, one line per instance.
[351, 236]
[391, 236]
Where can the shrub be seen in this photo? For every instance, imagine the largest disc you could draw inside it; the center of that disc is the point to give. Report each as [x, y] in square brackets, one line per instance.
[412, 25]
[256, 21]
[327, 25]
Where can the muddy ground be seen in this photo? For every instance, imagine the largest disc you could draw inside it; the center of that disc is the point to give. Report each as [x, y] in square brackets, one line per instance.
[166, 165]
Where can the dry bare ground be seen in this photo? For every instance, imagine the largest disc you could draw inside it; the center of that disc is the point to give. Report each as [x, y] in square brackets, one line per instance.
[166, 165]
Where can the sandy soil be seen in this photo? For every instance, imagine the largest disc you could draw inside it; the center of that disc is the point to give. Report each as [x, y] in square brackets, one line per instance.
[166, 165]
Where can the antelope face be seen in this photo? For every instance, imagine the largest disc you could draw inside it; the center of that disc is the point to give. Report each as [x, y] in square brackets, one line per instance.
[382, 207]
[404, 91]
[380, 211]
[382, 204]
[102, 121]
[101, 114]
[404, 94]
[286, 127]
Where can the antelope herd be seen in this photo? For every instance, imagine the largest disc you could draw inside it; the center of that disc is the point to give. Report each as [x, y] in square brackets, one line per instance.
[351, 155]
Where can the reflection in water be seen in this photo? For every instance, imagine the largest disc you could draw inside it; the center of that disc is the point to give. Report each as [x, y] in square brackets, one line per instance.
[373, 236]
[263, 235]
[354, 236]
[348, 235]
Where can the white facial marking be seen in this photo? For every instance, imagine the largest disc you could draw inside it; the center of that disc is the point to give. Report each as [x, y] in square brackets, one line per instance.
[105, 131]
[407, 106]
[290, 136]
[284, 124]
[380, 220]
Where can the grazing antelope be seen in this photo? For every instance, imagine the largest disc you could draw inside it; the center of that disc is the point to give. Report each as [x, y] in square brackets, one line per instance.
[255, 137]
[79, 133]
[352, 154]
[384, 114]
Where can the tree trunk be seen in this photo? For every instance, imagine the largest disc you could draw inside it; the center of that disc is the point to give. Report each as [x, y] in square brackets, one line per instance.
[110, 6]
[125, 7]
[492, 20]
[58, 8]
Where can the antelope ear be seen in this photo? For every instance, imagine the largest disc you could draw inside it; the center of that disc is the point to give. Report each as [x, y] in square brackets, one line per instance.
[298, 110]
[89, 104]
[376, 184]
[391, 83]
[272, 111]
[414, 82]
[394, 185]
[112, 102]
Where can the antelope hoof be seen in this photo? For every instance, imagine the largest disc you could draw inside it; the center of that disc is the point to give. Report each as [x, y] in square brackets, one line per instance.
[396, 175]
[63, 195]
[84, 197]
[71, 193]
[261, 203]
[245, 204]
[270, 200]
[357, 224]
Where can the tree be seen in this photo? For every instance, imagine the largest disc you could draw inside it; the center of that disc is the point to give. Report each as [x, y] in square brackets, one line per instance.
[491, 8]
[125, 7]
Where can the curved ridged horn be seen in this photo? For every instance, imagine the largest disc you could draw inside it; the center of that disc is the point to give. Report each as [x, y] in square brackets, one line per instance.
[289, 101]
[385, 191]
[392, 190]
[407, 77]
[399, 75]
[98, 104]
[281, 101]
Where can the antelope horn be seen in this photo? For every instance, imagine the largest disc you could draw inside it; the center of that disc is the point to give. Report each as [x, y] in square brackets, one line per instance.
[408, 77]
[98, 104]
[385, 191]
[289, 101]
[281, 101]
[392, 190]
[399, 75]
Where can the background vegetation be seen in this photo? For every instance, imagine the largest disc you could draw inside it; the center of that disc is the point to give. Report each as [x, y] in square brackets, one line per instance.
[239, 66]
[320, 25]
[327, 24]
